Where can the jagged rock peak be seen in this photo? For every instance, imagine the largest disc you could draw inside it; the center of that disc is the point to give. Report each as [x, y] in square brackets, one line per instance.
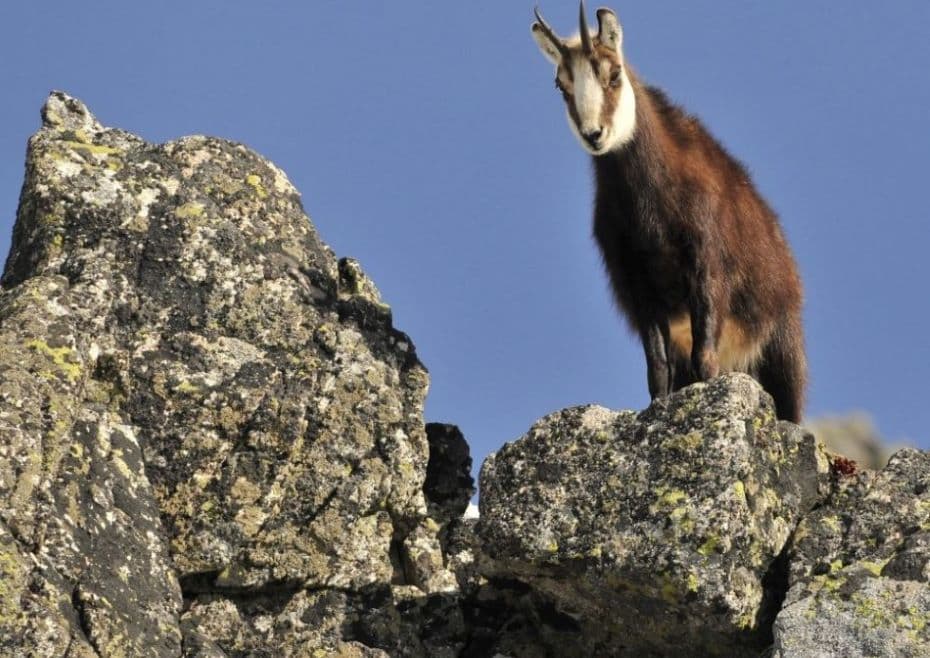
[209, 426]
[64, 112]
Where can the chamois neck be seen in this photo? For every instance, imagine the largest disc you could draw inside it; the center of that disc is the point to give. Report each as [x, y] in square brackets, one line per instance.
[640, 157]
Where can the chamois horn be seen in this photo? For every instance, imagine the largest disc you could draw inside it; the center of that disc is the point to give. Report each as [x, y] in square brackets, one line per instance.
[549, 32]
[586, 43]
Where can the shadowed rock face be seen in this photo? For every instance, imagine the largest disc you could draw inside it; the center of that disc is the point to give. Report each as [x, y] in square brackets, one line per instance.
[212, 444]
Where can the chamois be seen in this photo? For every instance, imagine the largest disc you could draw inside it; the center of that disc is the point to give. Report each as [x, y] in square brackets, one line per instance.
[696, 258]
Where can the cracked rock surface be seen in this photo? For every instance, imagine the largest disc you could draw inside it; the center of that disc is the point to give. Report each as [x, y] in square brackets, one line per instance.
[657, 533]
[197, 396]
[860, 568]
[212, 445]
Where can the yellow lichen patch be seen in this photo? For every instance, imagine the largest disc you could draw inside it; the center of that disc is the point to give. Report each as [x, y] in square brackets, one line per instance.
[746, 621]
[52, 117]
[739, 492]
[693, 582]
[12, 580]
[832, 581]
[244, 491]
[874, 568]
[202, 478]
[682, 519]
[186, 387]
[684, 442]
[250, 519]
[96, 149]
[709, 546]
[50, 219]
[915, 620]
[189, 210]
[832, 522]
[60, 356]
[667, 499]
[922, 508]
[255, 182]
[875, 612]
[56, 243]
[117, 458]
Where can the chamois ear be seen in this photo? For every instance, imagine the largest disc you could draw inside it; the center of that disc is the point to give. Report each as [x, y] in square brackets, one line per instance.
[610, 33]
[546, 45]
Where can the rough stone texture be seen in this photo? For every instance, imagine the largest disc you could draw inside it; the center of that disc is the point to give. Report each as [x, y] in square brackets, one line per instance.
[658, 532]
[860, 568]
[84, 566]
[186, 369]
[212, 445]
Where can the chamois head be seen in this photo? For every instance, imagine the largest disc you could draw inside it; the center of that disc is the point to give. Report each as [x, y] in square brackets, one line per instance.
[591, 74]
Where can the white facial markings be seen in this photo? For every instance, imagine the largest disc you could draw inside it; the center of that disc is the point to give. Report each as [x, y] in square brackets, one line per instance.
[588, 97]
[585, 90]
[624, 124]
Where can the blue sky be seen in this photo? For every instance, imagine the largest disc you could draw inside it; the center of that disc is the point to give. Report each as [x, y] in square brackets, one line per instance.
[428, 142]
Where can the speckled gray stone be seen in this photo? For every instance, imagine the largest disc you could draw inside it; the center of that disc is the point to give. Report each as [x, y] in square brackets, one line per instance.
[860, 568]
[655, 532]
[195, 395]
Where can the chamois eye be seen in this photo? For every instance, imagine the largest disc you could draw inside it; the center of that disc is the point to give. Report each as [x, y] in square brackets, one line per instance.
[615, 77]
[558, 85]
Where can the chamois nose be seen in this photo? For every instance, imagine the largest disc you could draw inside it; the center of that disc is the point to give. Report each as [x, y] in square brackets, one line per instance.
[592, 137]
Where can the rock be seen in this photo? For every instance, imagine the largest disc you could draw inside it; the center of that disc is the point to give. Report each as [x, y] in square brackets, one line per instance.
[197, 397]
[212, 445]
[860, 568]
[449, 485]
[85, 565]
[655, 533]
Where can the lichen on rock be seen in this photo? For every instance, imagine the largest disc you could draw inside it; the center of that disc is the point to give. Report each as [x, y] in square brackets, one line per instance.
[656, 532]
[860, 567]
[195, 395]
[212, 445]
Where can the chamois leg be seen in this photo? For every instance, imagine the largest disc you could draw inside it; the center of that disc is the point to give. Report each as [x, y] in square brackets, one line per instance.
[657, 362]
[783, 370]
[670, 358]
[704, 329]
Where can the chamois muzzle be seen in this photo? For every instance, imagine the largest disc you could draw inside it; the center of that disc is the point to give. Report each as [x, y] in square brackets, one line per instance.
[593, 138]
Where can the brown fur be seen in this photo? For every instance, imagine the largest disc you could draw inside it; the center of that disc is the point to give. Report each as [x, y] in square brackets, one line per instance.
[696, 258]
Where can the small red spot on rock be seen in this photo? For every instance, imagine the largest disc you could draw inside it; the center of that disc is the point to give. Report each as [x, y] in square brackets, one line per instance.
[844, 467]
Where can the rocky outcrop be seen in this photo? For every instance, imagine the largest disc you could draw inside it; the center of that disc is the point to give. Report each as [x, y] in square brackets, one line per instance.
[657, 533]
[688, 529]
[860, 568]
[212, 444]
[198, 400]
